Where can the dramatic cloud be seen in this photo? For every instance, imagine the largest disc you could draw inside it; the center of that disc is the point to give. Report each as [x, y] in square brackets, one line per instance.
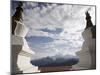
[39, 39]
[56, 31]
[55, 28]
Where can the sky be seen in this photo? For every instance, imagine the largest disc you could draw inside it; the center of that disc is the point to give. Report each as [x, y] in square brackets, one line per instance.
[54, 29]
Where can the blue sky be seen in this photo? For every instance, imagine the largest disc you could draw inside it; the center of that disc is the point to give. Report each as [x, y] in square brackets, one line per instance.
[55, 28]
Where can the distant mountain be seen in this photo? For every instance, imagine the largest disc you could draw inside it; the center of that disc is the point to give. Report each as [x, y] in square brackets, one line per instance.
[64, 60]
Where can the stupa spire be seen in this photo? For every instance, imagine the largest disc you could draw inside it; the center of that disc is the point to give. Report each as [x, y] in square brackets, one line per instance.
[17, 16]
[18, 13]
[88, 20]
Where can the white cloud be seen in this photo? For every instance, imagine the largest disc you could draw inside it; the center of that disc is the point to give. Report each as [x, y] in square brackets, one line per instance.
[71, 18]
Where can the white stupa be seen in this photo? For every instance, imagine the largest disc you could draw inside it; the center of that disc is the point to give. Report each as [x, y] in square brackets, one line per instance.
[88, 53]
[21, 53]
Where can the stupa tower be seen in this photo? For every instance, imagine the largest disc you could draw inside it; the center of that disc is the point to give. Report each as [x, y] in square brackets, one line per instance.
[21, 53]
[87, 56]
